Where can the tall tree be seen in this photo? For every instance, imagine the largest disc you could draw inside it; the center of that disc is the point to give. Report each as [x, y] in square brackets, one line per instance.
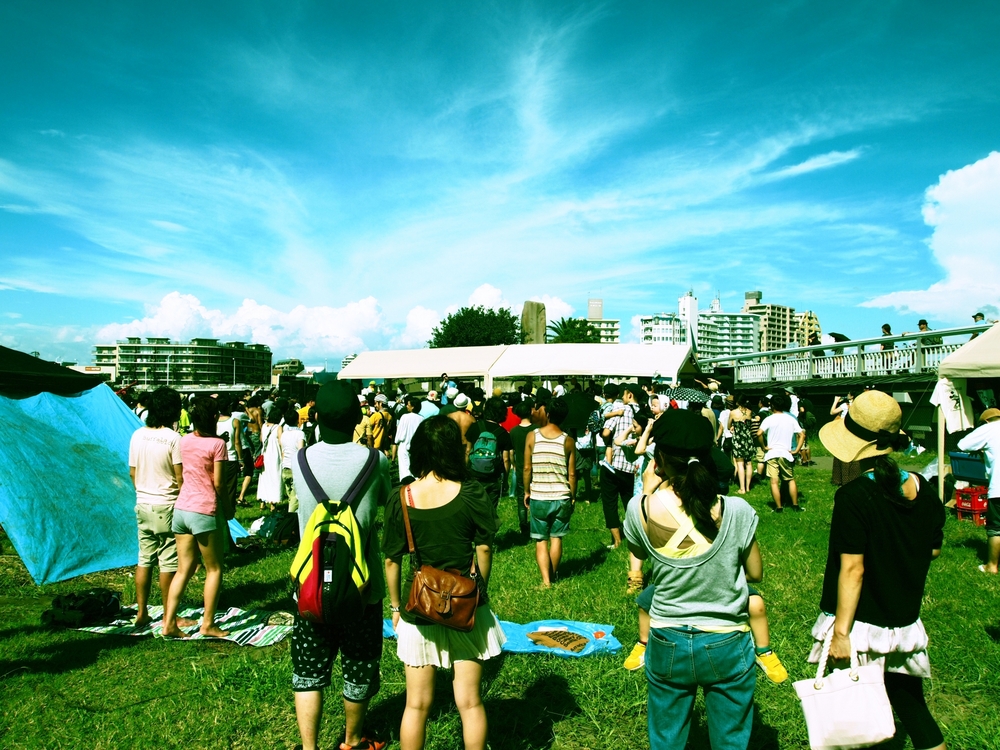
[477, 326]
[573, 331]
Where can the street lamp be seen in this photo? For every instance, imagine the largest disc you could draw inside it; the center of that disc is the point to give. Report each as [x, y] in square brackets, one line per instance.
[168, 368]
[234, 370]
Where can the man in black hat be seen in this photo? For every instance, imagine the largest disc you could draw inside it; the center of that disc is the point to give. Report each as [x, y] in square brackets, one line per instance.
[336, 461]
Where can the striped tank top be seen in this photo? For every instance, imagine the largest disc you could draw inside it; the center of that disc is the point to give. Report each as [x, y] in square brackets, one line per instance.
[549, 469]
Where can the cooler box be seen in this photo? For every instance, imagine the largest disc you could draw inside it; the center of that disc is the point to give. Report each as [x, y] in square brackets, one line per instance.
[969, 467]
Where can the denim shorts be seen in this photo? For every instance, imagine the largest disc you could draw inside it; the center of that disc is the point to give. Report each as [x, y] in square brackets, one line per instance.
[550, 518]
[189, 522]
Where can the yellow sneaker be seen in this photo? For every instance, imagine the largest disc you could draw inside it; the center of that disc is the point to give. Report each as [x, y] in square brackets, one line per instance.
[772, 667]
[637, 659]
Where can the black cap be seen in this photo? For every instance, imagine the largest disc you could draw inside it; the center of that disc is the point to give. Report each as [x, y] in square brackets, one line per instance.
[684, 433]
[542, 397]
[635, 390]
[337, 407]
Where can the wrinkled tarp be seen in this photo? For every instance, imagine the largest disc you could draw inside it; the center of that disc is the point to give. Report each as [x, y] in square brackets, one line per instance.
[599, 637]
[66, 500]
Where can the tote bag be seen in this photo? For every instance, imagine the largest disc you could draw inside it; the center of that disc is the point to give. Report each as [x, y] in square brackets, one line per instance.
[848, 708]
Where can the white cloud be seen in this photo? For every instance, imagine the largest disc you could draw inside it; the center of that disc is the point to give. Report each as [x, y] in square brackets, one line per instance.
[555, 308]
[420, 322]
[305, 331]
[168, 225]
[13, 315]
[488, 296]
[962, 209]
[823, 161]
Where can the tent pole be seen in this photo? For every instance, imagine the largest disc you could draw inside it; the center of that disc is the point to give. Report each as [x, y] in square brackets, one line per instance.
[940, 451]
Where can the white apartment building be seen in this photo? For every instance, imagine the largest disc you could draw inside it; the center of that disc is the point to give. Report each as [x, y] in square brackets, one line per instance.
[609, 329]
[721, 333]
[160, 361]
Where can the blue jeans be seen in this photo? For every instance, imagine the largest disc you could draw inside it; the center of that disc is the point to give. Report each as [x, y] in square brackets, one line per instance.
[678, 660]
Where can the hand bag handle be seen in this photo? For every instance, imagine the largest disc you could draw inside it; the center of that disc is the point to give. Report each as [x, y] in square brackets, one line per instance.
[411, 545]
[824, 655]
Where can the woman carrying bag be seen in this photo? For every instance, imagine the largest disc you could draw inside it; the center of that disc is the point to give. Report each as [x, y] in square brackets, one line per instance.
[886, 529]
[703, 550]
[452, 522]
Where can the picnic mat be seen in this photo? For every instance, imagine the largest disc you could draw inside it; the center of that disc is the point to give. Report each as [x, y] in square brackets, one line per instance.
[254, 627]
[557, 637]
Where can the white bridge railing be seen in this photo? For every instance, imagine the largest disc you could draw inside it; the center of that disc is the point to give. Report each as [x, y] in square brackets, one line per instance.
[913, 353]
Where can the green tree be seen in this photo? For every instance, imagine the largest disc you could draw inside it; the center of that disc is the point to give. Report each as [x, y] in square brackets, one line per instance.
[573, 331]
[477, 326]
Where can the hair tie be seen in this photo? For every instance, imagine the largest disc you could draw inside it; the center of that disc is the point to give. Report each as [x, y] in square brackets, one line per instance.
[693, 460]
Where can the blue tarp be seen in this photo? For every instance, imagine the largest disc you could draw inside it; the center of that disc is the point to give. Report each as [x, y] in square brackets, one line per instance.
[66, 500]
[599, 637]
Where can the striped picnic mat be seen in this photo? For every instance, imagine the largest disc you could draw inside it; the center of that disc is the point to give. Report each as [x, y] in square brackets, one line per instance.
[254, 627]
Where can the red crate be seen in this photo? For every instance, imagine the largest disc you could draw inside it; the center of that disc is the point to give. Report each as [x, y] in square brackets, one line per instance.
[971, 499]
[978, 517]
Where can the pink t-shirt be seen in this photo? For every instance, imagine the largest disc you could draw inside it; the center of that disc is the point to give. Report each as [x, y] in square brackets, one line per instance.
[199, 456]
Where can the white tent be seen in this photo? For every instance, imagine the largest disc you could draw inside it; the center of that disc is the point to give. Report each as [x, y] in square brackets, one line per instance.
[622, 360]
[490, 362]
[979, 358]
[459, 362]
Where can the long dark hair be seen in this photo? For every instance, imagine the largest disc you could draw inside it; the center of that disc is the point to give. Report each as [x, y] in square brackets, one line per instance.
[696, 483]
[437, 447]
[886, 470]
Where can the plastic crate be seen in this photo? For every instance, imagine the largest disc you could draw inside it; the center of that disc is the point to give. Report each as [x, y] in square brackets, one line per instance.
[978, 517]
[972, 499]
[969, 467]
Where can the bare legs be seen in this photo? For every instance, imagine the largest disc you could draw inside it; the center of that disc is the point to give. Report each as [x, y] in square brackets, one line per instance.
[992, 557]
[548, 553]
[793, 491]
[309, 714]
[209, 543]
[143, 586]
[758, 623]
[744, 473]
[420, 698]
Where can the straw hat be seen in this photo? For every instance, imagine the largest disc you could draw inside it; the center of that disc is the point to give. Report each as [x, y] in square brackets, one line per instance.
[870, 428]
[989, 415]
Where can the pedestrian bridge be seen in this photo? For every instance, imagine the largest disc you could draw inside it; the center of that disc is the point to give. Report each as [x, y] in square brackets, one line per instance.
[910, 358]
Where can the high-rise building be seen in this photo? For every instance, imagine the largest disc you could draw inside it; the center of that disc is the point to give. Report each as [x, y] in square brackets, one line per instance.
[159, 361]
[806, 324]
[671, 328]
[721, 333]
[687, 309]
[609, 330]
[778, 326]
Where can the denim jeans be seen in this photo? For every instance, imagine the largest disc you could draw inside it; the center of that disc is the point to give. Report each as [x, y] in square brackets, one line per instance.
[678, 660]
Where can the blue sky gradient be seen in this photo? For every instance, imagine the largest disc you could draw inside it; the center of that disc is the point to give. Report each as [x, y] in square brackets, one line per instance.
[326, 177]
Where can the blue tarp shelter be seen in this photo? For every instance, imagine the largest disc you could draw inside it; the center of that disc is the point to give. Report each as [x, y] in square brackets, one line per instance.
[66, 500]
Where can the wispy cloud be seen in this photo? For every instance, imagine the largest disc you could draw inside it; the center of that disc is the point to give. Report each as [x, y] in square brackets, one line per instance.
[822, 161]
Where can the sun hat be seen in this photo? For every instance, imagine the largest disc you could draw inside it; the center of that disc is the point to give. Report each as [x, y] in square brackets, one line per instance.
[992, 413]
[461, 402]
[870, 428]
[451, 393]
[498, 391]
[432, 395]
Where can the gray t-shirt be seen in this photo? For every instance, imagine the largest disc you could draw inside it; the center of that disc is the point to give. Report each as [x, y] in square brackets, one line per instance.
[335, 468]
[708, 590]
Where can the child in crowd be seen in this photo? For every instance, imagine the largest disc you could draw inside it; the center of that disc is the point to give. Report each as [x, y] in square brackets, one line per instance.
[550, 485]
[782, 438]
[612, 407]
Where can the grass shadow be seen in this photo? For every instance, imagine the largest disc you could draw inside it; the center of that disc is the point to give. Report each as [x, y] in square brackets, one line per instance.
[529, 721]
[978, 545]
[993, 632]
[577, 565]
[509, 539]
[259, 594]
[77, 651]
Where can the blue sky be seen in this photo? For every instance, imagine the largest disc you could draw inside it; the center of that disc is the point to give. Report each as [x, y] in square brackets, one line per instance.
[327, 177]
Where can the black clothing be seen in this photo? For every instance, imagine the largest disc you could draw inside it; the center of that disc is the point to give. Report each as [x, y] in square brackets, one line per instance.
[503, 444]
[906, 695]
[896, 539]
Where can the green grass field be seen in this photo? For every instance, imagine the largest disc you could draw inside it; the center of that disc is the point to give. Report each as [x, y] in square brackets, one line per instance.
[70, 689]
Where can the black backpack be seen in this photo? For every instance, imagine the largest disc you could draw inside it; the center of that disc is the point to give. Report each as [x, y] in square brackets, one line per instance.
[281, 528]
[87, 608]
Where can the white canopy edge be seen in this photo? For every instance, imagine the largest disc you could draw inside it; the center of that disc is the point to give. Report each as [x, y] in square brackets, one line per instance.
[979, 358]
[491, 362]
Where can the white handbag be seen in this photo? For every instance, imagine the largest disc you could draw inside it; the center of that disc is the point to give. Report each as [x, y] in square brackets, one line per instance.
[847, 709]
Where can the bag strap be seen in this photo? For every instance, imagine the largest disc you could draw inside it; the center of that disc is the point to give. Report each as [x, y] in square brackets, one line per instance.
[353, 492]
[411, 545]
[825, 655]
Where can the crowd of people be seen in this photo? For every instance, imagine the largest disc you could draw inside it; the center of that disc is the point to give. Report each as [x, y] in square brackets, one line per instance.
[447, 460]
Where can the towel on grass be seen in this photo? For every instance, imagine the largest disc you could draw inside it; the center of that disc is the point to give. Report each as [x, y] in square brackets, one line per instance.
[568, 638]
[255, 627]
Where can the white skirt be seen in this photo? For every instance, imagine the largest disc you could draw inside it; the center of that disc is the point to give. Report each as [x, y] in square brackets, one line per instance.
[902, 650]
[438, 646]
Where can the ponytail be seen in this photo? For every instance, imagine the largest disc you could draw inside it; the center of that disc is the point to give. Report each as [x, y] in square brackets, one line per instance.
[886, 471]
[694, 481]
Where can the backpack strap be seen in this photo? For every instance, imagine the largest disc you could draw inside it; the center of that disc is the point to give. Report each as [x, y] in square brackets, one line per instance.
[353, 492]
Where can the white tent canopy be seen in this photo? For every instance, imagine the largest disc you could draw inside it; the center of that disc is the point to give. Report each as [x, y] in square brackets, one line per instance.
[623, 360]
[534, 360]
[980, 358]
[459, 362]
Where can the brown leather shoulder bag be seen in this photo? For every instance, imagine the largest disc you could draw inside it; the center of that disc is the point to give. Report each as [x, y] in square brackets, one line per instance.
[442, 597]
